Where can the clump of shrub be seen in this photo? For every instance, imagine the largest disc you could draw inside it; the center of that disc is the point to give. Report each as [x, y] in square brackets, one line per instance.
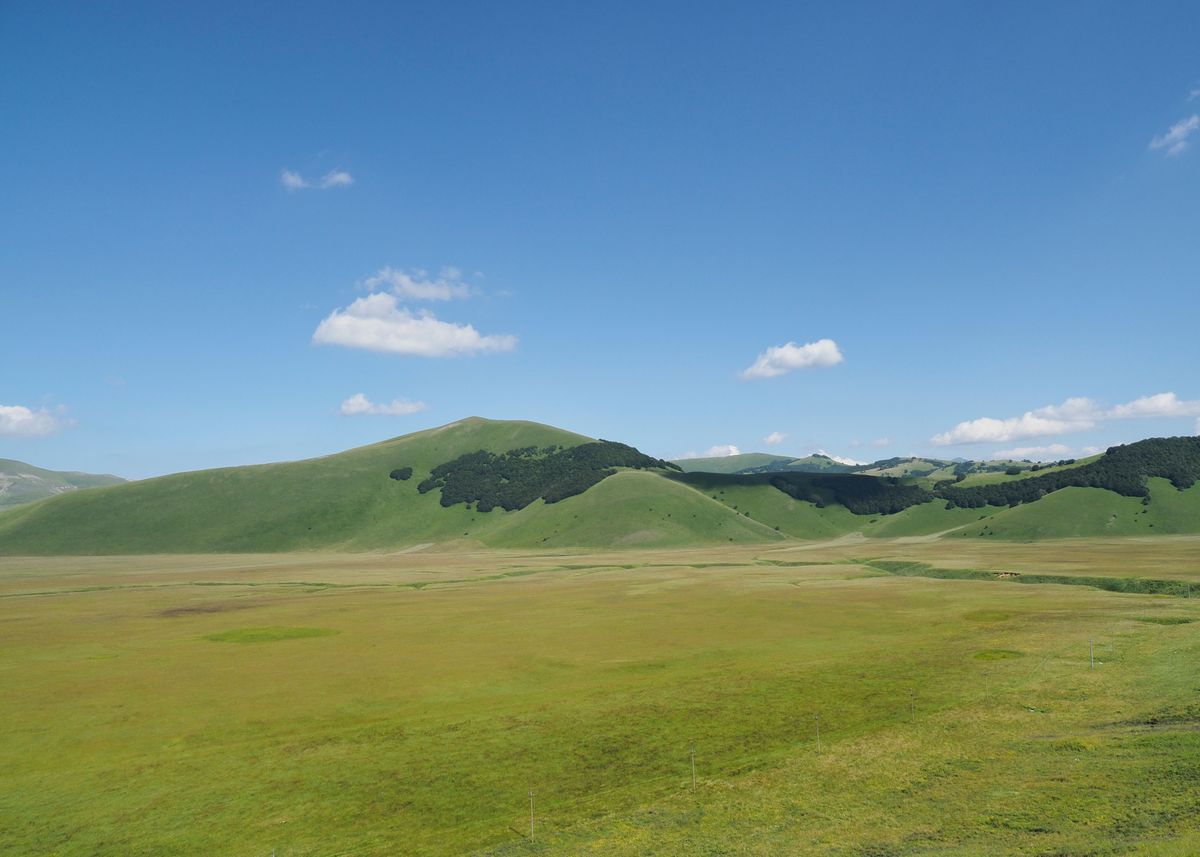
[401, 474]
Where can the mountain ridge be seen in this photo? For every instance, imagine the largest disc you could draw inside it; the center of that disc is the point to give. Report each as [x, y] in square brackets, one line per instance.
[21, 482]
[517, 484]
[818, 462]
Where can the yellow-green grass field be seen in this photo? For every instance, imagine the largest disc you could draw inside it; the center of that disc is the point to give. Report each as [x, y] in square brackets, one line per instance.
[311, 704]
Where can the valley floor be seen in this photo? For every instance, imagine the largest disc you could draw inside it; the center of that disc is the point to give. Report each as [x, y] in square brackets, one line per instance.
[321, 704]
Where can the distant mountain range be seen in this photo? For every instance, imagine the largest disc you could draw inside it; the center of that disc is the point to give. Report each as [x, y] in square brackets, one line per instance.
[523, 485]
[933, 468]
[24, 483]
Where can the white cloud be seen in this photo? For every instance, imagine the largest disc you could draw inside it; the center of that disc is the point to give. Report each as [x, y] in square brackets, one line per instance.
[1176, 138]
[774, 438]
[336, 178]
[377, 323]
[1158, 405]
[1194, 94]
[1053, 452]
[360, 404]
[20, 421]
[990, 430]
[293, 181]
[718, 451]
[418, 285]
[1075, 409]
[1075, 414]
[781, 359]
[840, 459]
[721, 451]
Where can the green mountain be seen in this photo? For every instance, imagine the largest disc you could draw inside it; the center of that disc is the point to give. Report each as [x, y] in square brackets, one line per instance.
[915, 467]
[523, 485]
[762, 462]
[746, 462]
[24, 483]
[388, 495]
[816, 463]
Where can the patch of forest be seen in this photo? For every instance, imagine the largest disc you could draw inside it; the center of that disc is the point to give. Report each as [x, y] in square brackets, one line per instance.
[514, 479]
[863, 495]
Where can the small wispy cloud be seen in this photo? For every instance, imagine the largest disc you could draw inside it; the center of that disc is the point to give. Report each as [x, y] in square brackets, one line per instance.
[1177, 138]
[419, 285]
[20, 421]
[293, 181]
[781, 359]
[336, 178]
[718, 451]
[775, 438]
[1194, 94]
[359, 404]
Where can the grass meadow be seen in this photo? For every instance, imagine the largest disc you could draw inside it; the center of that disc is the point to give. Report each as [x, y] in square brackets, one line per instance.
[309, 704]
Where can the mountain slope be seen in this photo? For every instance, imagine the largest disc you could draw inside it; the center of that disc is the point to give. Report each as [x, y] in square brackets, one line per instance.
[24, 483]
[339, 501]
[745, 462]
[762, 462]
[1085, 512]
[375, 497]
[630, 509]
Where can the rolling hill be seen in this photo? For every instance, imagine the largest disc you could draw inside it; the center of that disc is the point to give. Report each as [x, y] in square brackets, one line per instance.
[762, 462]
[521, 485]
[356, 500]
[24, 483]
[746, 462]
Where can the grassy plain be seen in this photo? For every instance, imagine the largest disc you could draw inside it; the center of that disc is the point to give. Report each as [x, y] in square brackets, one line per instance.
[407, 703]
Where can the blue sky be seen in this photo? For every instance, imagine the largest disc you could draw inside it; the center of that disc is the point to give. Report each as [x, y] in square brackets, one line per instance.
[238, 234]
